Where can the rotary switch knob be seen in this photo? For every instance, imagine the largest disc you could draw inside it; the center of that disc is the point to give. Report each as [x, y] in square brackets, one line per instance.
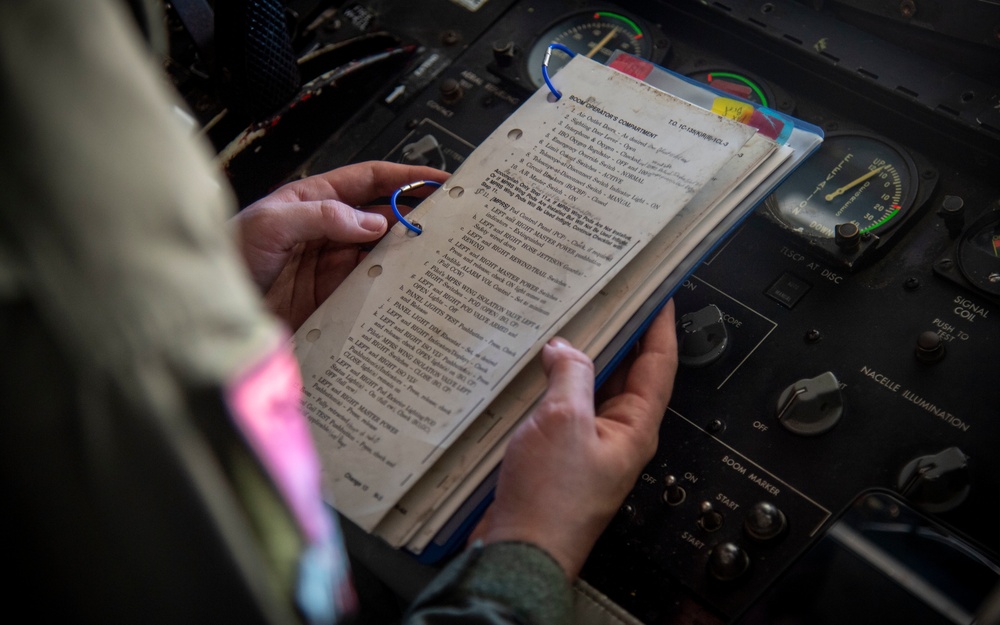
[727, 561]
[702, 337]
[811, 406]
[937, 482]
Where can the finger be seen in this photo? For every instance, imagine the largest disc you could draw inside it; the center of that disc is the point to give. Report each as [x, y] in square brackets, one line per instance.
[651, 376]
[332, 220]
[385, 210]
[334, 265]
[270, 232]
[615, 382]
[570, 378]
[364, 182]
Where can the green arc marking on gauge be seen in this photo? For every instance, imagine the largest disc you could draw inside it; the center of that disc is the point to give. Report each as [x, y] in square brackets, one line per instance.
[635, 27]
[742, 79]
[880, 221]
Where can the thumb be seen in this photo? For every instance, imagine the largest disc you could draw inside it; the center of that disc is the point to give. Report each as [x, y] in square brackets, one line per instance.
[330, 219]
[269, 232]
[570, 377]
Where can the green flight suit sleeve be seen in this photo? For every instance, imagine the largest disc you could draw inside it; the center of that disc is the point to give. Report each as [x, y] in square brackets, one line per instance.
[495, 584]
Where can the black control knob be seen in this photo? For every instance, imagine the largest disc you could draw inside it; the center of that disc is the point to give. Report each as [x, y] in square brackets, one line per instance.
[930, 347]
[953, 212]
[673, 492]
[503, 53]
[765, 521]
[847, 236]
[938, 482]
[702, 337]
[727, 561]
[709, 518]
[451, 91]
[811, 406]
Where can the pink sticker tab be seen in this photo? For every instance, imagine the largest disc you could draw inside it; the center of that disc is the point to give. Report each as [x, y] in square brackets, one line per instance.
[266, 405]
[633, 66]
[770, 126]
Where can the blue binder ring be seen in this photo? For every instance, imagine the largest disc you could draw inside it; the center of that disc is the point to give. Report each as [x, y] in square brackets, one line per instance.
[404, 189]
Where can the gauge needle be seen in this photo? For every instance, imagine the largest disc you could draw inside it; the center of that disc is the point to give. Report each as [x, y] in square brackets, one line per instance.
[847, 186]
[606, 39]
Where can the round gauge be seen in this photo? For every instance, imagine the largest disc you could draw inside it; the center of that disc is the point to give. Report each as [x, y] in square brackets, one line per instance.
[594, 34]
[852, 178]
[979, 254]
[737, 84]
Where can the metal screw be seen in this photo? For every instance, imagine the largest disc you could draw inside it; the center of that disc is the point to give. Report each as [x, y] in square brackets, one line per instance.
[911, 283]
[908, 8]
[627, 511]
[813, 336]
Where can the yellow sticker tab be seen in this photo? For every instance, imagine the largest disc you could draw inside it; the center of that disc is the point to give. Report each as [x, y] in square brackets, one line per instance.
[733, 109]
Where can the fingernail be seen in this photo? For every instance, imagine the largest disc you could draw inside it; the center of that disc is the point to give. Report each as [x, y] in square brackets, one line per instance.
[559, 342]
[372, 222]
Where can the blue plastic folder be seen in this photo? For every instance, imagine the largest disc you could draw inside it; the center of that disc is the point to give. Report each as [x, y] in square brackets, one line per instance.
[800, 137]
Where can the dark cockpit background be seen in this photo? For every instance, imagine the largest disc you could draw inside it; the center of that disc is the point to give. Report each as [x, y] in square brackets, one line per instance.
[887, 515]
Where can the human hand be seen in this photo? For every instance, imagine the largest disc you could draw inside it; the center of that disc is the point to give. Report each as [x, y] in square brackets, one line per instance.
[567, 470]
[301, 241]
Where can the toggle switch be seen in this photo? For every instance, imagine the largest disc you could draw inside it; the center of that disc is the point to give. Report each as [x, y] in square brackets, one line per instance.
[673, 492]
[709, 518]
[702, 337]
[811, 406]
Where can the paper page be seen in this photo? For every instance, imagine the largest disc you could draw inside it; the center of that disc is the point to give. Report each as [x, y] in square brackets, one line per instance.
[659, 269]
[431, 327]
[456, 474]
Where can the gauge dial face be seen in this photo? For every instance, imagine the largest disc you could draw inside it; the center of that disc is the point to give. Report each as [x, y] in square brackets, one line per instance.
[979, 254]
[855, 178]
[737, 84]
[595, 34]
